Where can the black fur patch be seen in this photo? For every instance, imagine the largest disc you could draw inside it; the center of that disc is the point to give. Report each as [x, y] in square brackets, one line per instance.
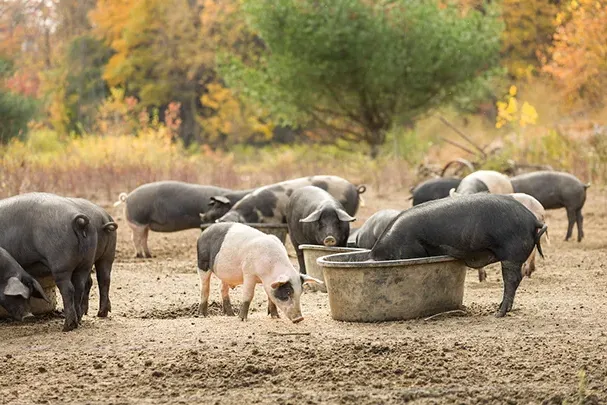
[266, 202]
[284, 292]
[209, 244]
[321, 184]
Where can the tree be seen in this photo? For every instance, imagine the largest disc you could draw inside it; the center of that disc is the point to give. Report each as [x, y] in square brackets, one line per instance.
[357, 68]
[578, 58]
[16, 110]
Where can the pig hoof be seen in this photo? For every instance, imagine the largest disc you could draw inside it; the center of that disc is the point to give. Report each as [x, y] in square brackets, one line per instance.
[139, 256]
[69, 326]
[148, 256]
[102, 314]
[203, 309]
[500, 314]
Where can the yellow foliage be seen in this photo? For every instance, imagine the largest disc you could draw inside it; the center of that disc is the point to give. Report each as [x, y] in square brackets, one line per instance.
[508, 112]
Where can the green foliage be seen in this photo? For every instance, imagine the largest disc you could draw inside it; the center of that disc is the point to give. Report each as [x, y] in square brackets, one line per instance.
[85, 88]
[15, 110]
[358, 69]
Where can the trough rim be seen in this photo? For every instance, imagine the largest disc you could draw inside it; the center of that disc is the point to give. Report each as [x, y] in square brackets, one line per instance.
[345, 249]
[325, 261]
[259, 225]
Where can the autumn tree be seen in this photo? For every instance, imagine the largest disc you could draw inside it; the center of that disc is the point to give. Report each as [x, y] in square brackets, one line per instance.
[578, 58]
[357, 68]
[16, 110]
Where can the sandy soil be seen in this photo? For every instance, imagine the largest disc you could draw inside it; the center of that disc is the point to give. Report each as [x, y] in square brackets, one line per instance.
[551, 349]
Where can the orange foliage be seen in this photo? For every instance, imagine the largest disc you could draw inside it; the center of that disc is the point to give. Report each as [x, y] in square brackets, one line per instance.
[579, 55]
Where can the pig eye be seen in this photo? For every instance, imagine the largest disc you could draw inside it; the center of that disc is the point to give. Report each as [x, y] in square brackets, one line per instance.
[284, 292]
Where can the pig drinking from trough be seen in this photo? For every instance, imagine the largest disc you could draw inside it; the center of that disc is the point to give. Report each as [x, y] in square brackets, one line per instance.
[315, 217]
[485, 181]
[268, 204]
[373, 227]
[171, 206]
[478, 229]
[239, 254]
[556, 190]
[48, 234]
[16, 287]
[104, 253]
[433, 189]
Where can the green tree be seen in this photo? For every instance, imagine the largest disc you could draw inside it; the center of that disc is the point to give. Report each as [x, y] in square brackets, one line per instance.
[16, 110]
[358, 68]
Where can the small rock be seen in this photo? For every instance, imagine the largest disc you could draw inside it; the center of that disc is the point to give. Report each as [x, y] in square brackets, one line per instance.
[157, 373]
[41, 369]
[147, 363]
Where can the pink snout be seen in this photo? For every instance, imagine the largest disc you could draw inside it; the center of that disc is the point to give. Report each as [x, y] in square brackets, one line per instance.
[329, 241]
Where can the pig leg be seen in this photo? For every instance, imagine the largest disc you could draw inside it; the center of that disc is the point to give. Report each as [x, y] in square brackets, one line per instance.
[225, 295]
[85, 298]
[571, 219]
[79, 278]
[103, 270]
[300, 260]
[580, 224]
[66, 289]
[138, 232]
[205, 288]
[248, 291]
[272, 309]
[511, 273]
[144, 243]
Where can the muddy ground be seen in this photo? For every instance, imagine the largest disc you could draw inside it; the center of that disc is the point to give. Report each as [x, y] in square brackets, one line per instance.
[153, 348]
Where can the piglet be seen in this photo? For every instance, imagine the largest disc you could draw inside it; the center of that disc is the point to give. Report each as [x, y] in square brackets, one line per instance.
[239, 254]
[16, 287]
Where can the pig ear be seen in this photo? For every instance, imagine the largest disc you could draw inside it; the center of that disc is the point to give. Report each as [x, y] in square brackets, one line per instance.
[220, 199]
[313, 217]
[15, 287]
[39, 291]
[307, 279]
[344, 217]
[283, 279]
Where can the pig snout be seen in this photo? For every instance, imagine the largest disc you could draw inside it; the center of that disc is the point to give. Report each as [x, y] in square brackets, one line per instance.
[329, 241]
[27, 316]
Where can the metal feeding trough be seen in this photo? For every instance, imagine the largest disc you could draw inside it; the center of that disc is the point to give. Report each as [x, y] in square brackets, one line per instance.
[279, 230]
[312, 253]
[362, 290]
[39, 306]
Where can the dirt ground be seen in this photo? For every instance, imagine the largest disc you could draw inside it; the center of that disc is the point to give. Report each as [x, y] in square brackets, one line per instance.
[153, 349]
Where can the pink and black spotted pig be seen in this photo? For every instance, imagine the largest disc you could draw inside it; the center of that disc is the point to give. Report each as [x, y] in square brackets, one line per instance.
[239, 254]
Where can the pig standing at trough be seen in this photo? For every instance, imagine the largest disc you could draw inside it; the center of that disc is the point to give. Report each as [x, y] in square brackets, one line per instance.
[171, 206]
[478, 229]
[373, 227]
[537, 209]
[433, 189]
[104, 254]
[556, 190]
[315, 217]
[268, 204]
[16, 287]
[485, 181]
[239, 254]
[48, 234]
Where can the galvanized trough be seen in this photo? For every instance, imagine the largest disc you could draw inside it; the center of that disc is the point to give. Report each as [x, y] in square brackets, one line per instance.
[362, 290]
[312, 253]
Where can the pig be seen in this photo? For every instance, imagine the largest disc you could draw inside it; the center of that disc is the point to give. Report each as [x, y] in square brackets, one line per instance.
[16, 287]
[268, 204]
[479, 229]
[373, 227]
[556, 190]
[171, 206]
[485, 181]
[316, 217]
[48, 234]
[104, 254]
[239, 254]
[433, 189]
[537, 209]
